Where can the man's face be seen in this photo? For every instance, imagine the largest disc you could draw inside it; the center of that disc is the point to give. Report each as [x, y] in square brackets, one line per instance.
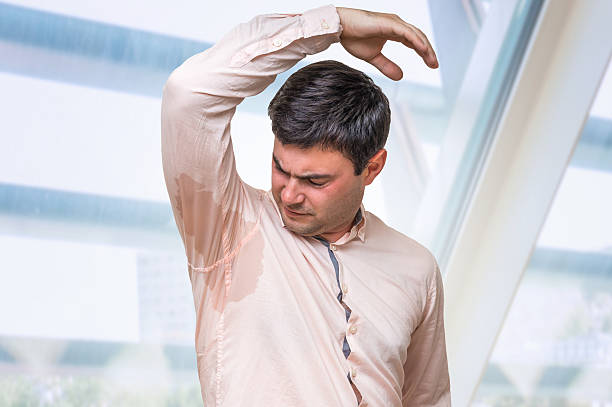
[317, 191]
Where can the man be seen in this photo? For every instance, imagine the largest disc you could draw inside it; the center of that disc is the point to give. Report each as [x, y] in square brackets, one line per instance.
[302, 297]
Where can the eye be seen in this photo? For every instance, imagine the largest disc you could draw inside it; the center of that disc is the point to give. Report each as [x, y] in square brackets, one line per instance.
[316, 184]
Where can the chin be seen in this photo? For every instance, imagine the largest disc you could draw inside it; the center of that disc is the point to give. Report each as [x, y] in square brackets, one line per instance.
[300, 229]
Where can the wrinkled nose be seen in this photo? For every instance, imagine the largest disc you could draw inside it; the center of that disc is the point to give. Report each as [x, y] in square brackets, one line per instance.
[291, 193]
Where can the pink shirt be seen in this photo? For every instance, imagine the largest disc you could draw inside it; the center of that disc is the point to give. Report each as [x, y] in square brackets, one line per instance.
[270, 328]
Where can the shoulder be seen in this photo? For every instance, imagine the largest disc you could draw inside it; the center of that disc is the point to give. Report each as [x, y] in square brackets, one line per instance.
[403, 249]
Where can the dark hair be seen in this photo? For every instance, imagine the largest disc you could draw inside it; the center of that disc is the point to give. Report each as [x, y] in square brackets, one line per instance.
[333, 106]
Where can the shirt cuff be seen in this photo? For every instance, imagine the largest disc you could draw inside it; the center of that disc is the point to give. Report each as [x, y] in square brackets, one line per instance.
[322, 20]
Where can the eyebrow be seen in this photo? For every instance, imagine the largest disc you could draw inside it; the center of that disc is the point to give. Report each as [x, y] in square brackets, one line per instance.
[306, 176]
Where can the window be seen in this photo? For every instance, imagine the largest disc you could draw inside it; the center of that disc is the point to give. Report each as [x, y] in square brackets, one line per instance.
[95, 302]
[555, 348]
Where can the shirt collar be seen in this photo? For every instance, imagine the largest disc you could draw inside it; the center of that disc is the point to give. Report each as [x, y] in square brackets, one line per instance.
[358, 229]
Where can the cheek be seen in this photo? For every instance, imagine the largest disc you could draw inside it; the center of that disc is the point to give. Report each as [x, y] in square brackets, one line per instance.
[341, 195]
[324, 199]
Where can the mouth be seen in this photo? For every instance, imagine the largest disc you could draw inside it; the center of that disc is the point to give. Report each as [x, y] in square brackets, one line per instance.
[293, 213]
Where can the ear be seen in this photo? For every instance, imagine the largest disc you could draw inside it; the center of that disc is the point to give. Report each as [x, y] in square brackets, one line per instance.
[374, 166]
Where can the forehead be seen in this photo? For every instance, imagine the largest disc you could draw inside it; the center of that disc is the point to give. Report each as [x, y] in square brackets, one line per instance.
[310, 160]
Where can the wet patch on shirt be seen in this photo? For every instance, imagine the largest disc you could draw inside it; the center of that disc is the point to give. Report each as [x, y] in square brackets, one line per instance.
[247, 268]
[214, 238]
[200, 221]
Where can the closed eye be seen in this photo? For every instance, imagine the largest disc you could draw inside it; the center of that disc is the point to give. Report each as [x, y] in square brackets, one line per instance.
[317, 184]
[310, 179]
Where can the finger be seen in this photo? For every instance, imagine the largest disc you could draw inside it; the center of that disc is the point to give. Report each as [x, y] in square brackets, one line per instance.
[432, 59]
[387, 67]
[407, 34]
[401, 31]
[425, 50]
[428, 55]
[421, 35]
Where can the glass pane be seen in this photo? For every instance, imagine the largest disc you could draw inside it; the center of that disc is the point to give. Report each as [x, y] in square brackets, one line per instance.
[95, 301]
[555, 348]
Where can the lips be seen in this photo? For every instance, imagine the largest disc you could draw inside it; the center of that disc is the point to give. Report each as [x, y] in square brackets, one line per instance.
[293, 213]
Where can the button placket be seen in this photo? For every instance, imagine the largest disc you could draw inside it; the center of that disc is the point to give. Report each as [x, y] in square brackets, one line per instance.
[351, 331]
[343, 289]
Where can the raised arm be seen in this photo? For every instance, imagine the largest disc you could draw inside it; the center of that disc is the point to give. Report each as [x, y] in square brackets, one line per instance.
[210, 205]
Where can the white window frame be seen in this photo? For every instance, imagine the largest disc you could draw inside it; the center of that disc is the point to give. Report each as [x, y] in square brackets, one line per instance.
[548, 106]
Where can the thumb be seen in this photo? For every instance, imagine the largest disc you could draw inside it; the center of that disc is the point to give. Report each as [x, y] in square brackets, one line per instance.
[387, 67]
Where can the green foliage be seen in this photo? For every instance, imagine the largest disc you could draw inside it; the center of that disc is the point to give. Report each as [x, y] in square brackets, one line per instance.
[91, 391]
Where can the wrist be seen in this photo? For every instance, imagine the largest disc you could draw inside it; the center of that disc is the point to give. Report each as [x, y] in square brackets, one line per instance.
[340, 12]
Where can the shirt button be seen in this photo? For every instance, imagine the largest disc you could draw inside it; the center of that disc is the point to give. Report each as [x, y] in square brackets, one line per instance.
[324, 25]
[277, 42]
[332, 247]
[344, 288]
[353, 329]
[353, 372]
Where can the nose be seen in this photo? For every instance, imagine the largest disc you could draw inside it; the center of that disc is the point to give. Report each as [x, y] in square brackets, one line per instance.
[291, 193]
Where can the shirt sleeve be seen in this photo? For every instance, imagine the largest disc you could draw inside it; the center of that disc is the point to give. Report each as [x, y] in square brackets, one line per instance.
[426, 378]
[209, 201]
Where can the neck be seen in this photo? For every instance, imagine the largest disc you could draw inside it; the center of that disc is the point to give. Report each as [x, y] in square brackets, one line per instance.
[333, 235]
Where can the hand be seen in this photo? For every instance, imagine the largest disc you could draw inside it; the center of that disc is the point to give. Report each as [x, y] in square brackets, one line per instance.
[365, 32]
